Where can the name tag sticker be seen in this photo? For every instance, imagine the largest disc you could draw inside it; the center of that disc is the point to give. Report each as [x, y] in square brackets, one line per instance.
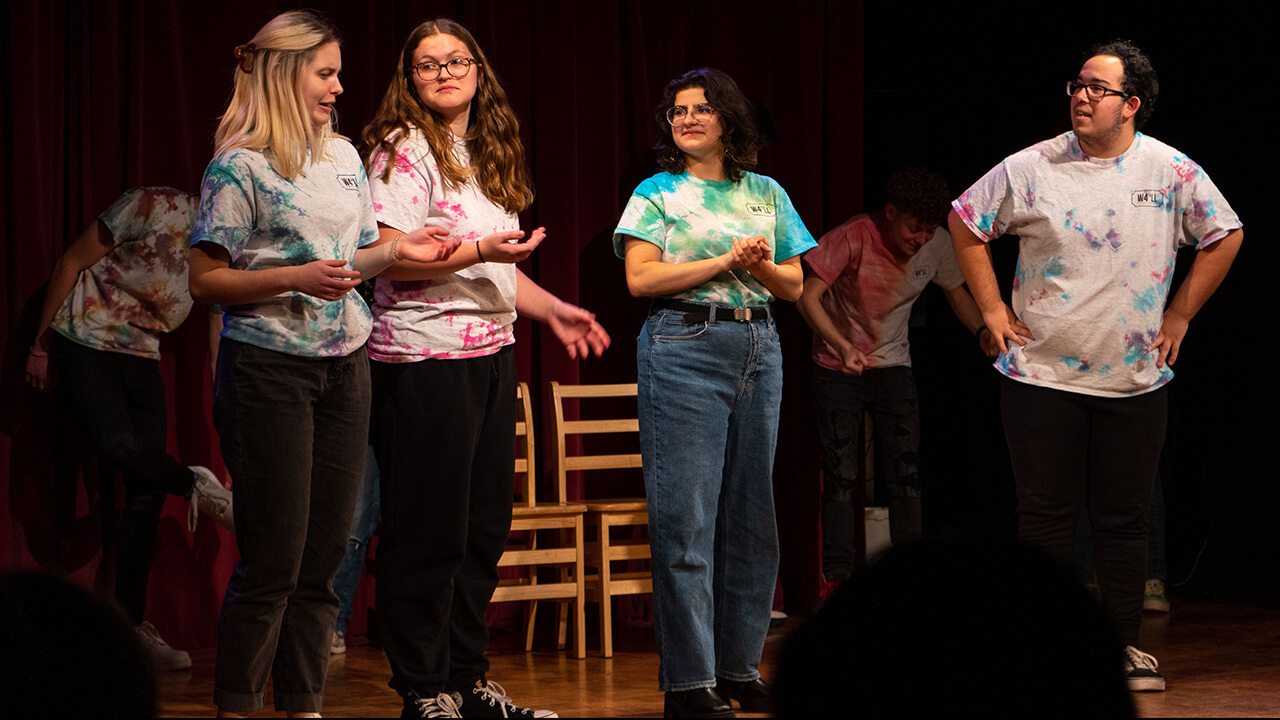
[1147, 198]
[760, 209]
[349, 182]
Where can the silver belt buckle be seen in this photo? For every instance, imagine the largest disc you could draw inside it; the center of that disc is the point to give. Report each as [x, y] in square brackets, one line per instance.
[742, 314]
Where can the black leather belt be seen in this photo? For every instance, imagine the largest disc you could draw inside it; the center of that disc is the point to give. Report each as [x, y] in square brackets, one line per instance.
[699, 313]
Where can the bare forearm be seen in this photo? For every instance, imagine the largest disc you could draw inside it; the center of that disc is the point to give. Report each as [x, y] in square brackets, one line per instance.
[1207, 272]
[810, 307]
[410, 270]
[60, 285]
[654, 277]
[786, 281]
[965, 308]
[532, 300]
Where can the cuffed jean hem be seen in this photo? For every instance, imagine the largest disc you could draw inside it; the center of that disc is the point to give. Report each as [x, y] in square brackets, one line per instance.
[738, 677]
[681, 687]
[238, 701]
[299, 702]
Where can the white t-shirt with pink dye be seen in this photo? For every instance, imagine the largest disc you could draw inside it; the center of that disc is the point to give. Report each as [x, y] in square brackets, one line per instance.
[1098, 243]
[468, 313]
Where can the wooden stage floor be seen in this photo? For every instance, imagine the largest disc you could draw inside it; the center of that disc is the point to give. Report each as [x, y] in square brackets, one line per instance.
[1219, 660]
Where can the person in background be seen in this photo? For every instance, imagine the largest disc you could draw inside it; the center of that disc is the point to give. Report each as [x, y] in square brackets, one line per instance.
[118, 287]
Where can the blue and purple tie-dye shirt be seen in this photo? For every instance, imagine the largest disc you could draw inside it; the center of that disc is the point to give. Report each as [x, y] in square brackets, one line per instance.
[1098, 241]
[266, 221]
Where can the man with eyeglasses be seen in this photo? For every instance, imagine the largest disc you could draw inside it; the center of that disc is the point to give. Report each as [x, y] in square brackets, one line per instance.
[1086, 346]
[860, 284]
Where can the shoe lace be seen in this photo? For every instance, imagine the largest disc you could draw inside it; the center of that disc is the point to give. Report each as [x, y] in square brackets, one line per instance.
[150, 635]
[446, 705]
[1140, 660]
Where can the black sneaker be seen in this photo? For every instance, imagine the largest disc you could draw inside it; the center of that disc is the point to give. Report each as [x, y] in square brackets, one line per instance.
[444, 705]
[490, 701]
[1140, 671]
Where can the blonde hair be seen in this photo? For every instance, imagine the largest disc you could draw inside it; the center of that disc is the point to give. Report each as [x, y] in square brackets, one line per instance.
[493, 138]
[264, 113]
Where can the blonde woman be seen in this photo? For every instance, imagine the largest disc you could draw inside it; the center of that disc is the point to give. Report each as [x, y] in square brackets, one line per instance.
[280, 240]
[445, 151]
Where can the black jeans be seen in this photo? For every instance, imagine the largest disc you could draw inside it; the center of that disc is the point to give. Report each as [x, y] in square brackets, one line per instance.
[889, 394]
[1071, 452]
[444, 434]
[293, 432]
[119, 402]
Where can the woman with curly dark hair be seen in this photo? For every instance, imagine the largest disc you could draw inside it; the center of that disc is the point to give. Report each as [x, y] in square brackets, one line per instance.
[713, 244]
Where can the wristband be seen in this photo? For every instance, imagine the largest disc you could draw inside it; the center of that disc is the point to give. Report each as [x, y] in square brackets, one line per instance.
[478, 253]
[395, 248]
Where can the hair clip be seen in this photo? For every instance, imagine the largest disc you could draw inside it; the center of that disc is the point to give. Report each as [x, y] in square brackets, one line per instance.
[244, 57]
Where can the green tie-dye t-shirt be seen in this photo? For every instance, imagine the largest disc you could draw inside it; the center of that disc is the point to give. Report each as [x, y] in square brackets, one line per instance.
[691, 219]
[265, 221]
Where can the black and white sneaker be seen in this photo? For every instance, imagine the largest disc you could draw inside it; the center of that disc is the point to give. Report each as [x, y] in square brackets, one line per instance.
[1140, 671]
[444, 705]
[490, 701]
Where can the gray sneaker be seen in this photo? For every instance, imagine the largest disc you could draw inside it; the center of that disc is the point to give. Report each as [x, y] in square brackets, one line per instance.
[209, 497]
[164, 657]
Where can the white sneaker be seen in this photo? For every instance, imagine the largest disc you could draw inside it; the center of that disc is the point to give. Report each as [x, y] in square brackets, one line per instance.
[165, 657]
[444, 705]
[339, 643]
[208, 496]
[1140, 671]
[491, 701]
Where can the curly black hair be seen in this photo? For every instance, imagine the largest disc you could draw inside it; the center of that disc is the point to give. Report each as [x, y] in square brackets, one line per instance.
[920, 193]
[1139, 76]
[737, 122]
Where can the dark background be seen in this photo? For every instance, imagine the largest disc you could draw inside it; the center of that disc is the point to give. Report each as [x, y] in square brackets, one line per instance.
[97, 97]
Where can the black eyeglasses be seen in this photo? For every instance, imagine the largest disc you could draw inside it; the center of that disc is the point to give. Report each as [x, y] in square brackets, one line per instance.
[457, 67]
[1093, 92]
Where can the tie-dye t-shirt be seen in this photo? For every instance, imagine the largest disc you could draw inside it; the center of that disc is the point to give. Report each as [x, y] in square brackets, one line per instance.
[692, 219]
[468, 313]
[139, 288]
[1098, 240]
[265, 221]
[872, 289]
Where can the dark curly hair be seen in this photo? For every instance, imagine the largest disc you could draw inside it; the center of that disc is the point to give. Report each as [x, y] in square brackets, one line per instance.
[920, 193]
[1139, 76]
[737, 122]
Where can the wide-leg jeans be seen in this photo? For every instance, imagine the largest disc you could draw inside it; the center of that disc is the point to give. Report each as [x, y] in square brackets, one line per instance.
[709, 396]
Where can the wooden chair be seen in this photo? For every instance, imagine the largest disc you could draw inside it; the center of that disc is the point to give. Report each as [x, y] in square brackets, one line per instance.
[604, 514]
[560, 519]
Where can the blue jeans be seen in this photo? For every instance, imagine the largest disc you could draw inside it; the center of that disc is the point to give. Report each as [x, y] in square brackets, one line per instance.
[363, 524]
[709, 395]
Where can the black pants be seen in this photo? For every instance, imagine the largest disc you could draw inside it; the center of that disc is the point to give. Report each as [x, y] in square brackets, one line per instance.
[444, 434]
[1071, 452]
[293, 432]
[119, 402]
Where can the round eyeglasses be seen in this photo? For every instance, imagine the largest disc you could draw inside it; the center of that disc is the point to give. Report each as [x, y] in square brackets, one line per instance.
[1093, 92]
[701, 112]
[456, 68]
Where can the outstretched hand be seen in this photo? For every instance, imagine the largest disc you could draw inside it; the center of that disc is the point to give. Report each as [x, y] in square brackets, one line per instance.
[427, 244]
[578, 330]
[1005, 325]
[505, 247]
[324, 279]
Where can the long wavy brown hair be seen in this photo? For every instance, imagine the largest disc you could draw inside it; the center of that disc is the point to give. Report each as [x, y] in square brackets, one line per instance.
[493, 134]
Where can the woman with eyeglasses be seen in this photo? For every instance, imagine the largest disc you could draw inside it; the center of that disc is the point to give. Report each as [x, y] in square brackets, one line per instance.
[283, 233]
[445, 151]
[713, 244]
